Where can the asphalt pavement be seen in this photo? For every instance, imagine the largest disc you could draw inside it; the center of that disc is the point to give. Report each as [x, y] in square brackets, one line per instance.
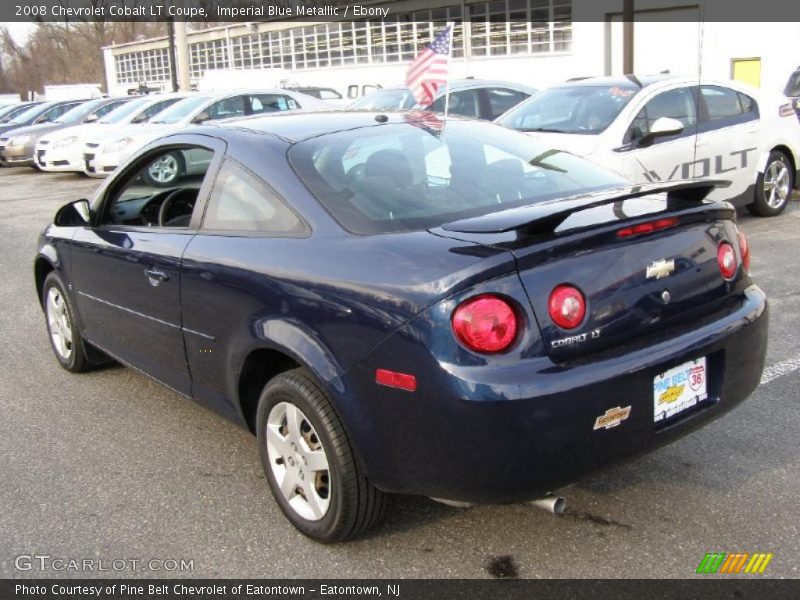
[109, 465]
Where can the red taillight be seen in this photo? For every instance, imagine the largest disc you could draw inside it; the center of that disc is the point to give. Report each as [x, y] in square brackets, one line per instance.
[404, 381]
[567, 306]
[726, 259]
[648, 227]
[744, 250]
[485, 324]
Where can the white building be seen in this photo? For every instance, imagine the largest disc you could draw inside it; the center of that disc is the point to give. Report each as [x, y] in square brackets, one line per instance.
[537, 42]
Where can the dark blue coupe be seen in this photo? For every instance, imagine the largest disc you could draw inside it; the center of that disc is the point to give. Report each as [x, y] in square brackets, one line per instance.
[394, 304]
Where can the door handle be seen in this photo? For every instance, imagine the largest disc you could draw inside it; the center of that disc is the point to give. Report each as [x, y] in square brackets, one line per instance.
[155, 276]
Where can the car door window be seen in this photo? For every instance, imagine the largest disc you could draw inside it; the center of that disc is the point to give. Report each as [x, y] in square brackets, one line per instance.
[227, 108]
[107, 108]
[54, 113]
[725, 107]
[153, 110]
[161, 191]
[676, 104]
[329, 95]
[240, 201]
[267, 103]
[502, 99]
[463, 102]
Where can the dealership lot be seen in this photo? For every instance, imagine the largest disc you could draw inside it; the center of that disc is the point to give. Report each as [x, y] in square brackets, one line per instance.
[109, 465]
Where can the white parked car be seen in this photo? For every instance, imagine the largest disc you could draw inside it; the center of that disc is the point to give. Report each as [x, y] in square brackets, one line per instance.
[665, 128]
[103, 153]
[62, 150]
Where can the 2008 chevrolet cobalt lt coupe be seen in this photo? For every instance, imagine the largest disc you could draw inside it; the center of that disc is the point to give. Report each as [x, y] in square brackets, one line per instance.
[394, 304]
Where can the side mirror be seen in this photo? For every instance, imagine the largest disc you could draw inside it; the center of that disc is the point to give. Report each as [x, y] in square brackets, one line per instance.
[662, 127]
[201, 118]
[74, 214]
[91, 119]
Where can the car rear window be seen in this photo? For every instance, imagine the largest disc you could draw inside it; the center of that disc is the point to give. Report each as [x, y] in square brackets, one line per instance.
[409, 176]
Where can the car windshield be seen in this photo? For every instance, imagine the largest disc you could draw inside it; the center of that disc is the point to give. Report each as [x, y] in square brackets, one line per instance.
[408, 176]
[580, 109]
[180, 110]
[385, 100]
[126, 111]
[30, 114]
[793, 85]
[79, 112]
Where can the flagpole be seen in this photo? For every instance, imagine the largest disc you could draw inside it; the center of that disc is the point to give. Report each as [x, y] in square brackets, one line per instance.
[451, 25]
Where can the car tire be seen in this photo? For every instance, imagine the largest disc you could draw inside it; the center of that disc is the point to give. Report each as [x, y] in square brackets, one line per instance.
[165, 170]
[331, 504]
[65, 339]
[773, 186]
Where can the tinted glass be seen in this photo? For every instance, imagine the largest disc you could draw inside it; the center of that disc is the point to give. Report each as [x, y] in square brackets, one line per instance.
[162, 192]
[15, 112]
[180, 110]
[152, 110]
[403, 177]
[106, 109]
[267, 103]
[53, 113]
[30, 113]
[503, 99]
[793, 85]
[241, 202]
[721, 103]
[385, 100]
[676, 104]
[121, 113]
[464, 102]
[78, 113]
[570, 109]
[226, 108]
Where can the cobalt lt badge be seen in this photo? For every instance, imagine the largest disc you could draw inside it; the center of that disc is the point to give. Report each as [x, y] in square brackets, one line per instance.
[660, 269]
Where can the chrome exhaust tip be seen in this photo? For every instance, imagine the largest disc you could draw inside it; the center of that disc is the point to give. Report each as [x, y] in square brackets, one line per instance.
[552, 504]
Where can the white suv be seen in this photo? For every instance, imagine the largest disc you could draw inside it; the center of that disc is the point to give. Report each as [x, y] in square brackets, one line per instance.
[667, 128]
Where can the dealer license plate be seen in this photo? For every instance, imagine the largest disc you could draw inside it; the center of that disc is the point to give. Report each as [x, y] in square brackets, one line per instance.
[679, 389]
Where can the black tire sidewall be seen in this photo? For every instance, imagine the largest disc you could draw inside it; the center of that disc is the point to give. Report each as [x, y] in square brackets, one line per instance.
[760, 206]
[77, 360]
[283, 390]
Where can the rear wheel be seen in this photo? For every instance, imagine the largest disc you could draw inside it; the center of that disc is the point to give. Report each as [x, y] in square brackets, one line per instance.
[309, 464]
[165, 170]
[65, 339]
[773, 186]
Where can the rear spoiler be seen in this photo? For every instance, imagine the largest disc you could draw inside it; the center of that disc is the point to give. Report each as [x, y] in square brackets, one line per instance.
[547, 216]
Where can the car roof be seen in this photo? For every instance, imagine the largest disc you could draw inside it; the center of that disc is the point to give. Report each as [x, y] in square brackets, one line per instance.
[460, 84]
[296, 126]
[636, 82]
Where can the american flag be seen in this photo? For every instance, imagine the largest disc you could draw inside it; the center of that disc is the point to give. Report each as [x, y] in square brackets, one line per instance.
[425, 120]
[429, 69]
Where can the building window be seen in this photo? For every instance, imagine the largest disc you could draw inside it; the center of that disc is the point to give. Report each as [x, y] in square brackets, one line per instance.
[143, 67]
[210, 55]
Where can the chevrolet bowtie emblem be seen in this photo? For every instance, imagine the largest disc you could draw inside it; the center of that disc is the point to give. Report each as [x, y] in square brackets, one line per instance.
[660, 269]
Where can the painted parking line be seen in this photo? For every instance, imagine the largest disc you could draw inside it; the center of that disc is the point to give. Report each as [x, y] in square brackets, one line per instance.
[780, 369]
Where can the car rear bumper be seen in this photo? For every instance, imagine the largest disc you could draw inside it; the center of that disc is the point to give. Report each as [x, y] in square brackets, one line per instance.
[530, 429]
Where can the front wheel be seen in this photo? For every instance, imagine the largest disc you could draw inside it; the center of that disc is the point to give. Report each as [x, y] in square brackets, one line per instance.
[309, 464]
[773, 186]
[65, 339]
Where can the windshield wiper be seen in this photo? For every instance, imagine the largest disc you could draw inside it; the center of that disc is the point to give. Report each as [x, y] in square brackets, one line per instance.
[544, 130]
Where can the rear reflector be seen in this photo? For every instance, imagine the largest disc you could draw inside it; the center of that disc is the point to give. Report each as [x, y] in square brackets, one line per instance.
[402, 381]
[726, 259]
[648, 227]
[744, 250]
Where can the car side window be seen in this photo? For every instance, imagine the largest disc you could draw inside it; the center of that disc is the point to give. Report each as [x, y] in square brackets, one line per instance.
[725, 107]
[54, 113]
[503, 99]
[463, 102]
[240, 201]
[267, 103]
[107, 108]
[159, 192]
[676, 104]
[152, 111]
[330, 95]
[227, 108]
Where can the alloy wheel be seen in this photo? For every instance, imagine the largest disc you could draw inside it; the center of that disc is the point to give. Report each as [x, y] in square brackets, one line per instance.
[298, 461]
[165, 169]
[776, 183]
[59, 323]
